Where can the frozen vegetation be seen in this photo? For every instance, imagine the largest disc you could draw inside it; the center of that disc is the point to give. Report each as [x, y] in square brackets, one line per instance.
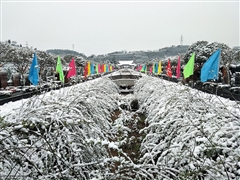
[90, 131]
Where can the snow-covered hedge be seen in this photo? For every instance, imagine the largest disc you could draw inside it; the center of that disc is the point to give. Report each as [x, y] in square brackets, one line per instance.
[88, 131]
[62, 134]
[190, 134]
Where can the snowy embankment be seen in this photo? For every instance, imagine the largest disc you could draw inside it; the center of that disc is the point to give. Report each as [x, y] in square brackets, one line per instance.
[60, 134]
[190, 134]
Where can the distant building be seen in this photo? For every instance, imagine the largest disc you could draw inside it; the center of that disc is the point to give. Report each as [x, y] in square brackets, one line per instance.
[126, 64]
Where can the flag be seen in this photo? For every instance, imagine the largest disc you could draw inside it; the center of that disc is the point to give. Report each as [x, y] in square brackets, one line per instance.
[59, 70]
[103, 68]
[151, 69]
[92, 69]
[89, 68]
[96, 69]
[99, 68]
[33, 72]
[139, 68]
[189, 67]
[156, 68]
[160, 67]
[72, 69]
[211, 67]
[143, 69]
[169, 70]
[86, 70]
[178, 70]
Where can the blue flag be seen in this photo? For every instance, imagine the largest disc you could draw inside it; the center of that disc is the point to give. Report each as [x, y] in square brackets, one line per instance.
[106, 68]
[156, 68]
[33, 72]
[92, 68]
[210, 68]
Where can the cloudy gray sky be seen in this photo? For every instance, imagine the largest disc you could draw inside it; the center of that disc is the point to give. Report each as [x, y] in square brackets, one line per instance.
[101, 27]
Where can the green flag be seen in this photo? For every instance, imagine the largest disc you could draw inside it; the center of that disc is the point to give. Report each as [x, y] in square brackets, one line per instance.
[96, 67]
[189, 67]
[59, 70]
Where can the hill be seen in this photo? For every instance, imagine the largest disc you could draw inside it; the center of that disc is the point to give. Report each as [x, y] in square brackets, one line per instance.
[63, 52]
[141, 56]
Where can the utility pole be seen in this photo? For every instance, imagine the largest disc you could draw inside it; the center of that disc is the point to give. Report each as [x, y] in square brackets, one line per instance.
[26, 44]
[181, 41]
[73, 47]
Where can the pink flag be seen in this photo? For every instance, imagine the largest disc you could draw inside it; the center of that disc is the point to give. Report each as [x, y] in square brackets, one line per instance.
[72, 69]
[99, 68]
[151, 69]
[139, 68]
[178, 70]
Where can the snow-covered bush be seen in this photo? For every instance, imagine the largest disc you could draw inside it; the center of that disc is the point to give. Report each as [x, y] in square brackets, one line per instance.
[203, 50]
[90, 131]
[62, 134]
[190, 134]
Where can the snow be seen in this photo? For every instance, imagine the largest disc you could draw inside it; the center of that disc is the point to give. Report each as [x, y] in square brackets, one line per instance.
[10, 107]
[71, 133]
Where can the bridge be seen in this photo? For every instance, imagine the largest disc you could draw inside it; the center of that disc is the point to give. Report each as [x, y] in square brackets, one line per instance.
[125, 79]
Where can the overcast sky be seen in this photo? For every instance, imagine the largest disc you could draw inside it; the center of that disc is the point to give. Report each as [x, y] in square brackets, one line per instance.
[103, 27]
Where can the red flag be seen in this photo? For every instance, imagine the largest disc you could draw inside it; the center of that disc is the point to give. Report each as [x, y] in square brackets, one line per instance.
[169, 70]
[86, 70]
[72, 69]
[102, 68]
[178, 70]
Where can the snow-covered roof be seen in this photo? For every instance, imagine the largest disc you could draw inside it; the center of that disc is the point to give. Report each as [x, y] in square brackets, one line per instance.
[125, 62]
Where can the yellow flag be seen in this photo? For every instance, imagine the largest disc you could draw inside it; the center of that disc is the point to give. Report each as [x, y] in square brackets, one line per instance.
[89, 68]
[160, 67]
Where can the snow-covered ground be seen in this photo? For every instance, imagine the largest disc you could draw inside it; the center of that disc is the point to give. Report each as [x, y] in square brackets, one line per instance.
[82, 131]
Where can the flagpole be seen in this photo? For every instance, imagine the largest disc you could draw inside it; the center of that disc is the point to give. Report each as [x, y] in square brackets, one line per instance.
[64, 77]
[216, 88]
[218, 69]
[37, 67]
[38, 70]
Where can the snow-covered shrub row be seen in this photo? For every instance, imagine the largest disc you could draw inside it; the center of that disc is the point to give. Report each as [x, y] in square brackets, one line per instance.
[62, 134]
[190, 134]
